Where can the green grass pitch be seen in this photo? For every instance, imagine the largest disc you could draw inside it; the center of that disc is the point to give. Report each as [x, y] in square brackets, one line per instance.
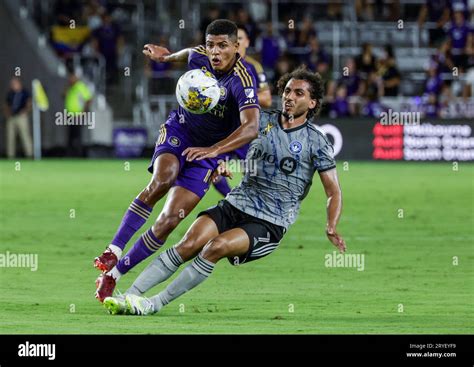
[418, 272]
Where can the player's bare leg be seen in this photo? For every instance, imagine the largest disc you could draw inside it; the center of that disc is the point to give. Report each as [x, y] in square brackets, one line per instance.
[179, 203]
[234, 242]
[165, 171]
[161, 268]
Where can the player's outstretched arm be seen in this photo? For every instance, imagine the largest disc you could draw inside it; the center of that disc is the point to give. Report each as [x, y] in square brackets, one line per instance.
[330, 182]
[162, 54]
[247, 131]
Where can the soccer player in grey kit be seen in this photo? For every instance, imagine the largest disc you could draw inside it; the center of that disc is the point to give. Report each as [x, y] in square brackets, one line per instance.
[251, 221]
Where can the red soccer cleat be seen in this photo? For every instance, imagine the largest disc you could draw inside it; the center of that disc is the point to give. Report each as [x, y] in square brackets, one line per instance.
[105, 285]
[106, 261]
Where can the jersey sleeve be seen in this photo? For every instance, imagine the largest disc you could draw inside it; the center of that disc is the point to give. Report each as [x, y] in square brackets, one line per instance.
[322, 152]
[244, 88]
[197, 57]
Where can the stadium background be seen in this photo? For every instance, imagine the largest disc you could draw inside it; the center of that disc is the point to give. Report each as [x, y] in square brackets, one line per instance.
[412, 220]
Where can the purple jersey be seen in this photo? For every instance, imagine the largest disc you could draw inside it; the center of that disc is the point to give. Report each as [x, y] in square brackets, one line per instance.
[351, 82]
[257, 71]
[433, 85]
[238, 92]
[340, 107]
[458, 36]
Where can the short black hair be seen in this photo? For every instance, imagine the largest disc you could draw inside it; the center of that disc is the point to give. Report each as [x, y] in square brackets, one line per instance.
[244, 28]
[222, 27]
[315, 82]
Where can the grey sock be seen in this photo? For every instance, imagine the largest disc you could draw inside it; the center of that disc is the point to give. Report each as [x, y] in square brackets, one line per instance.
[156, 272]
[193, 275]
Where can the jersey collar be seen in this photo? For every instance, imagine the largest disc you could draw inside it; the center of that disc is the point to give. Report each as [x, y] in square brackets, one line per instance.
[303, 125]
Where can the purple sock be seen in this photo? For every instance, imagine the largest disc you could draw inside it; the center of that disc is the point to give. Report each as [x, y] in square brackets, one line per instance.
[146, 245]
[222, 186]
[135, 217]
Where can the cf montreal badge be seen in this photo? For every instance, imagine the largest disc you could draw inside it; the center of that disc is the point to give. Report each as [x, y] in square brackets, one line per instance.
[296, 147]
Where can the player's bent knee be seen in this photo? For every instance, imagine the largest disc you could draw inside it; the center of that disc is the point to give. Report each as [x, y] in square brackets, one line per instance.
[155, 190]
[166, 223]
[215, 250]
[187, 249]
[159, 186]
[171, 221]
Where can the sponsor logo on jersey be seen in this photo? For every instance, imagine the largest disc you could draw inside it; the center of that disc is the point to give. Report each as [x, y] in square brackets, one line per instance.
[288, 165]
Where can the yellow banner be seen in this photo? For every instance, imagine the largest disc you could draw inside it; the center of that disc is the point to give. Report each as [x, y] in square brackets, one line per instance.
[70, 36]
[39, 95]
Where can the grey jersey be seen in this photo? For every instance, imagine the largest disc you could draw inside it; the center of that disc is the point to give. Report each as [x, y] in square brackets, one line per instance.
[281, 164]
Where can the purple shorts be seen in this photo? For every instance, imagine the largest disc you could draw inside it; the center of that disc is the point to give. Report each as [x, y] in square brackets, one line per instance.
[195, 175]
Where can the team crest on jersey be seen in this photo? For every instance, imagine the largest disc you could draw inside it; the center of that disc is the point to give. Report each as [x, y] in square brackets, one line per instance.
[296, 147]
[249, 93]
[174, 141]
[223, 93]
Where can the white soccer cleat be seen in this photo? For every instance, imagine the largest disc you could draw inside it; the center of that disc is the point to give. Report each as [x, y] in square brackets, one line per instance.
[116, 305]
[139, 306]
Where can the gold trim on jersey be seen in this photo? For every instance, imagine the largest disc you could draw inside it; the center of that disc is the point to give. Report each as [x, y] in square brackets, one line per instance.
[162, 136]
[243, 74]
[208, 175]
[200, 50]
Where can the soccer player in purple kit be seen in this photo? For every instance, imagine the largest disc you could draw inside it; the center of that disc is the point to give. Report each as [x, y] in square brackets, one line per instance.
[263, 92]
[187, 151]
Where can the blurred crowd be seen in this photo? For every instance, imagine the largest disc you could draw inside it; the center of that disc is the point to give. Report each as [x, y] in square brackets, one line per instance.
[87, 28]
[354, 90]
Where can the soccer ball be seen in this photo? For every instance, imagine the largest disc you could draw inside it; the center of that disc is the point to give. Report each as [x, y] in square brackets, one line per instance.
[197, 91]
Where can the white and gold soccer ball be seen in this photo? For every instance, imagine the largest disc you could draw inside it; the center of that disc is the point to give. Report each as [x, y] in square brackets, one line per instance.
[197, 91]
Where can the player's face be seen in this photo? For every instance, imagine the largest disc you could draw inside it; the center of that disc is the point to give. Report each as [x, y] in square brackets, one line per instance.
[296, 99]
[244, 42]
[221, 51]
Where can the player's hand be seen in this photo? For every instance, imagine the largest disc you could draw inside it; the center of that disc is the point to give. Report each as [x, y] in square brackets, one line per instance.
[156, 53]
[336, 239]
[221, 170]
[198, 154]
